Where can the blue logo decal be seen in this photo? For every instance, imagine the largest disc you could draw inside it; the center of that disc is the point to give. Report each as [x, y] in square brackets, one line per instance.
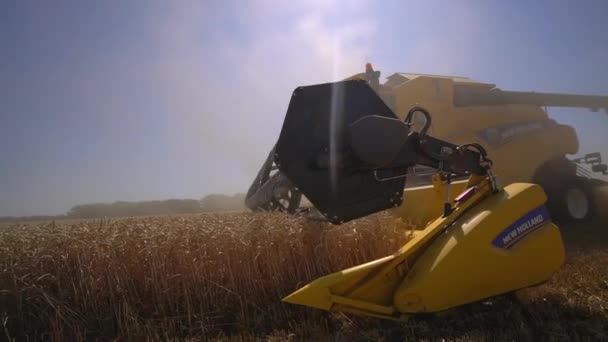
[522, 227]
[502, 134]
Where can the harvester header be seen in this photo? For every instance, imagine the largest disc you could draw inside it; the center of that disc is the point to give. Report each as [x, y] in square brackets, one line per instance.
[346, 150]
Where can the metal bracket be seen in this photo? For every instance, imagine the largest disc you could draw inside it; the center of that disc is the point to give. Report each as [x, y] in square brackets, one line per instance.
[388, 178]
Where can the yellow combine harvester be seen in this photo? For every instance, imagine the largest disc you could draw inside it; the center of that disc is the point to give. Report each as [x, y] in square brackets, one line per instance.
[525, 144]
[344, 149]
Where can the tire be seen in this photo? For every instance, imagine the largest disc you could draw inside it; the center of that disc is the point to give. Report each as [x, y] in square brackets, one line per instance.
[574, 201]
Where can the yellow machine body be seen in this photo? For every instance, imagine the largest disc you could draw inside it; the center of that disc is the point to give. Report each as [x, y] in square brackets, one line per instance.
[514, 127]
[491, 244]
[521, 138]
[463, 265]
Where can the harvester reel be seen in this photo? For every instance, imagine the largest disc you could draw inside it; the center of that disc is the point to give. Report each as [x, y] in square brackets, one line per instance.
[271, 190]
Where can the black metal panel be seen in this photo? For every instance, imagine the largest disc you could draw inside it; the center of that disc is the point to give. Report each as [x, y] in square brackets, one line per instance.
[314, 151]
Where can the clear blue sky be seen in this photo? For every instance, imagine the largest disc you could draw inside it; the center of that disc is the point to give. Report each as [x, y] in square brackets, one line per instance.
[129, 100]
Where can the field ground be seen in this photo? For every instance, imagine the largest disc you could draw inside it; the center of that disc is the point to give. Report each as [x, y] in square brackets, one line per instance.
[221, 276]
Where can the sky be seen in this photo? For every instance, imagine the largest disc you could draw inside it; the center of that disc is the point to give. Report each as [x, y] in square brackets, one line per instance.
[136, 100]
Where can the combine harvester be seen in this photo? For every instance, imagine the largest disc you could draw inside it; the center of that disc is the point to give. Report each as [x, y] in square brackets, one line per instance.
[526, 145]
[344, 149]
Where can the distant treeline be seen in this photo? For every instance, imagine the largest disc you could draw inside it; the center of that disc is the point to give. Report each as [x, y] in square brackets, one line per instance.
[210, 203]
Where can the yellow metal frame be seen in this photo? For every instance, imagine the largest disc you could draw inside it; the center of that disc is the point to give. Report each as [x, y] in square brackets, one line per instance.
[453, 261]
[368, 288]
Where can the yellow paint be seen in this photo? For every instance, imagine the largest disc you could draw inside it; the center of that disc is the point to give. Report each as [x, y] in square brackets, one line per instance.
[462, 265]
[450, 262]
[422, 204]
[516, 160]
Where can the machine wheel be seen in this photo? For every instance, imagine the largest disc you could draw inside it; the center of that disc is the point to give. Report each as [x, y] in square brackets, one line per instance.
[271, 190]
[575, 201]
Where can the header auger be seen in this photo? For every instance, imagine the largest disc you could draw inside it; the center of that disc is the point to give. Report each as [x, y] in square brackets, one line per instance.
[347, 152]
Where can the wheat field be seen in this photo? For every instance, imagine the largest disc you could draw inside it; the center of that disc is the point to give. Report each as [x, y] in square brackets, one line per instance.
[222, 277]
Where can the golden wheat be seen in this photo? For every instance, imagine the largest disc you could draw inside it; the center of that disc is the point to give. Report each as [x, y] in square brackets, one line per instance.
[223, 276]
[181, 276]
